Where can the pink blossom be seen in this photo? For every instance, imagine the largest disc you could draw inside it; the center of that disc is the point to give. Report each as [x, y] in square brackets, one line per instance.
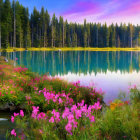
[68, 128]
[21, 113]
[60, 101]
[35, 111]
[70, 118]
[78, 114]
[12, 119]
[65, 113]
[92, 119]
[16, 114]
[56, 115]
[13, 132]
[80, 104]
[97, 106]
[73, 108]
[51, 120]
[41, 116]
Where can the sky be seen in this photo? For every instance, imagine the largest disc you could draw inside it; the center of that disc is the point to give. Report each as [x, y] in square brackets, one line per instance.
[102, 11]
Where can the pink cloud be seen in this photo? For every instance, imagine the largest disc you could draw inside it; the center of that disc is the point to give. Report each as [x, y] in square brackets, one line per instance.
[111, 11]
[82, 9]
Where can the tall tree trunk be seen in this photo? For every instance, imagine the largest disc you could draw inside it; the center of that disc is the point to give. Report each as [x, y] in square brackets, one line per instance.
[131, 41]
[14, 39]
[97, 36]
[0, 34]
[32, 36]
[52, 35]
[63, 35]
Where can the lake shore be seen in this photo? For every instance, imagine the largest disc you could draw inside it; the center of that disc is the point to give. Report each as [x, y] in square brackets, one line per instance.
[71, 49]
[55, 109]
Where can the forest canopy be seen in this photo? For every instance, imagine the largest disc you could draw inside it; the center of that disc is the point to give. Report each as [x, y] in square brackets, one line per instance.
[21, 30]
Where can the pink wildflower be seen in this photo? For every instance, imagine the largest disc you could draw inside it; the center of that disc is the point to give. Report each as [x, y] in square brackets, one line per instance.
[35, 111]
[65, 113]
[13, 132]
[51, 120]
[68, 128]
[92, 119]
[21, 113]
[16, 114]
[78, 114]
[73, 108]
[60, 101]
[97, 106]
[12, 119]
[41, 116]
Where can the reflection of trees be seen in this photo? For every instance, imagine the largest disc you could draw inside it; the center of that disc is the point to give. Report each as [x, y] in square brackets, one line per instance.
[56, 62]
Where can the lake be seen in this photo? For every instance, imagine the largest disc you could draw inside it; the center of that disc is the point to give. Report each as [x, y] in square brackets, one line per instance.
[113, 72]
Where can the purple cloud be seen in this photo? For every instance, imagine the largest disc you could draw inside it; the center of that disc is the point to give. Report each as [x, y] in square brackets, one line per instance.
[83, 8]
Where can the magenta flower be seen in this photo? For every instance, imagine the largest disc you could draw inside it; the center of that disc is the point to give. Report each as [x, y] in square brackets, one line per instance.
[21, 113]
[35, 111]
[41, 116]
[65, 113]
[97, 106]
[73, 108]
[12, 119]
[68, 128]
[16, 114]
[80, 104]
[78, 114]
[60, 101]
[13, 132]
[51, 120]
[92, 119]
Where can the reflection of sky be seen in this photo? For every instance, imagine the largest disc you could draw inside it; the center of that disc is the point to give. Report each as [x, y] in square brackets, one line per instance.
[112, 83]
[111, 71]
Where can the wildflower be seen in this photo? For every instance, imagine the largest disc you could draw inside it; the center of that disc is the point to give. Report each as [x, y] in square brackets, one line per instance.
[40, 131]
[80, 104]
[70, 118]
[73, 108]
[78, 114]
[97, 106]
[21, 113]
[60, 101]
[13, 132]
[68, 128]
[41, 115]
[16, 114]
[92, 119]
[65, 113]
[12, 119]
[51, 120]
[113, 106]
[35, 111]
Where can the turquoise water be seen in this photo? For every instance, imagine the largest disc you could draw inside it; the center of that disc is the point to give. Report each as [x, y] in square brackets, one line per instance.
[111, 71]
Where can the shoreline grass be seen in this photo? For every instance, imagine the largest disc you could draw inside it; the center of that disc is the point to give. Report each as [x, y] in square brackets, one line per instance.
[71, 49]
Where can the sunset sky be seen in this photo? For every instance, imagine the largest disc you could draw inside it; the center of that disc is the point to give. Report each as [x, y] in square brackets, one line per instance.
[93, 10]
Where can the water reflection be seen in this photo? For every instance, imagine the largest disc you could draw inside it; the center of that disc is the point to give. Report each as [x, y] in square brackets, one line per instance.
[112, 71]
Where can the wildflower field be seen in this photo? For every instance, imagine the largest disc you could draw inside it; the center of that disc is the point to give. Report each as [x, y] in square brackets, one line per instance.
[49, 108]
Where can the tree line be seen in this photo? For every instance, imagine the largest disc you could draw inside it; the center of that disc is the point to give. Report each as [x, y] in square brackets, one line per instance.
[19, 29]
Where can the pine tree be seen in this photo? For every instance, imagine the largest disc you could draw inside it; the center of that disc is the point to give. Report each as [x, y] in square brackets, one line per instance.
[1, 7]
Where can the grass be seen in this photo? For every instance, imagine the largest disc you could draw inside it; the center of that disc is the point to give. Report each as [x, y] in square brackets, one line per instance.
[71, 49]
